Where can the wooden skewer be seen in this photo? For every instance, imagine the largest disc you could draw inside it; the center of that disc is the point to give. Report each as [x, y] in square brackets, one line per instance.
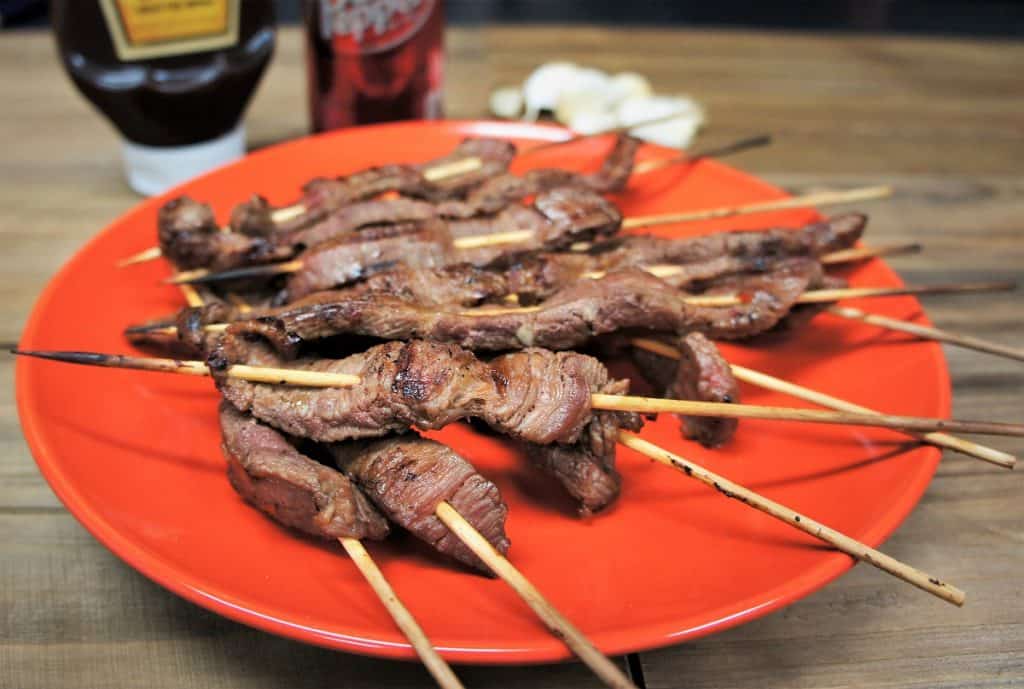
[817, 296]
[555, 621]
[643, 405]
[435, 664]
[768, 382]
[192, 297]
[824, 198]
[841, 256]
[150, 254]
[924, 331]
[654, 405]
[840, 541]
[735, 147]
[858, 253]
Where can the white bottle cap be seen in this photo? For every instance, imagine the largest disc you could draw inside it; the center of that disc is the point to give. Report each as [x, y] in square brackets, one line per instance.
[154, 169]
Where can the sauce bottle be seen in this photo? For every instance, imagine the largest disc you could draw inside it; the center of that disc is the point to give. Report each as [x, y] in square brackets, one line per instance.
[174, 77]
[373, 60]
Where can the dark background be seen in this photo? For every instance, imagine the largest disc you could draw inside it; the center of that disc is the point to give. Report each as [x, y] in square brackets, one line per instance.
[1001, 18]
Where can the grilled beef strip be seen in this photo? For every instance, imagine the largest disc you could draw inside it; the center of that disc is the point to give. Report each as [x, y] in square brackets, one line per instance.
[622, 301]
[586, 469]
[534, 395]
[407, 476]
[270, 474]
[498, 192]
[321, 196]
[701, 374]
[557, 219]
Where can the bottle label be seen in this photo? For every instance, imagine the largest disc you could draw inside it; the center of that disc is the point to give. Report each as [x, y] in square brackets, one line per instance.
[143, 29]
[359, 27]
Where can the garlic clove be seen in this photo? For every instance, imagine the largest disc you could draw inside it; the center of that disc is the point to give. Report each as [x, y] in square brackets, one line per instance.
[677, 132]
[544, 85]
[574, 102]
[507, 102]
[628, 85]
[592, 121]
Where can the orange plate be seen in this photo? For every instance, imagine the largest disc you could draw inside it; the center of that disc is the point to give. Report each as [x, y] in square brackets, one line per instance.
[135, 456]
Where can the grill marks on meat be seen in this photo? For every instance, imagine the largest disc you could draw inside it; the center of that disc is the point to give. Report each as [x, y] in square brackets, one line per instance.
[189, 237]
[346, 259]
[274, 477]
[406, 477]
[498, 192]
[350, 218]
[557, 219]
[324, 196]
[535, 395]
[586, 469]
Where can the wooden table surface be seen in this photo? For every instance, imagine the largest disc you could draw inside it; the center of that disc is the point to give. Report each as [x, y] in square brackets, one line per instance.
[940, 120]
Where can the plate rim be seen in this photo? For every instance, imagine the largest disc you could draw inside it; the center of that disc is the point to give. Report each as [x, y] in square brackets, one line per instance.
[613, 642]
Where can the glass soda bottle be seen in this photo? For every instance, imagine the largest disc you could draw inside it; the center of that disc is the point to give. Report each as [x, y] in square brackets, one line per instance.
[373, 60]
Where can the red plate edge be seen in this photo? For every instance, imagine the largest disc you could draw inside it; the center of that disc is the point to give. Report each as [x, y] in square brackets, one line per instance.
[613, 643]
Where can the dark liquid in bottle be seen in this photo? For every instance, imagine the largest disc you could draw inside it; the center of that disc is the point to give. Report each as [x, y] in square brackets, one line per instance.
[166, 101]
[373, 61]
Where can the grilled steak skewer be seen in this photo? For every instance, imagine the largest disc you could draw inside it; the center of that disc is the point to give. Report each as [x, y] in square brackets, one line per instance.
[190, 237]
[277, 479]
[620, 301]
[535, 395]
[407, 476]
[256, 238]
[323, 196]
[538, 276]
[556, 219]
[502, 190]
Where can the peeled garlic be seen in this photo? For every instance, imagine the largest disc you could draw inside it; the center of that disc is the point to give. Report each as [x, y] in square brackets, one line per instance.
[507, 102]
[592, 121]
[572, 103]
[628, 85]
[543, 87]
[677, 132]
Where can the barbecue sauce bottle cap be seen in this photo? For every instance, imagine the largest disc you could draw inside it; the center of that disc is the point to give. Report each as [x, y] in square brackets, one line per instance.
[152, 170]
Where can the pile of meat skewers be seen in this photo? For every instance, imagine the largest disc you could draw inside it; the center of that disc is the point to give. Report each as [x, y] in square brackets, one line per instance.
[479, 295]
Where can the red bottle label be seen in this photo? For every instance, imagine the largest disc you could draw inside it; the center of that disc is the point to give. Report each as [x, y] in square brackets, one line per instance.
[360, 27]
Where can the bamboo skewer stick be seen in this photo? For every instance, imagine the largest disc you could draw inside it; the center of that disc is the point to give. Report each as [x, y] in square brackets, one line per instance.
[192, 297]
[663, 270]
[858, 253]
[817, 296]
[824, 198]
[644, 405]
[646, 166]
[967, 341]
[657, 405]
[768, 382]
[840, 541]
[557, 623]
[435, 664]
